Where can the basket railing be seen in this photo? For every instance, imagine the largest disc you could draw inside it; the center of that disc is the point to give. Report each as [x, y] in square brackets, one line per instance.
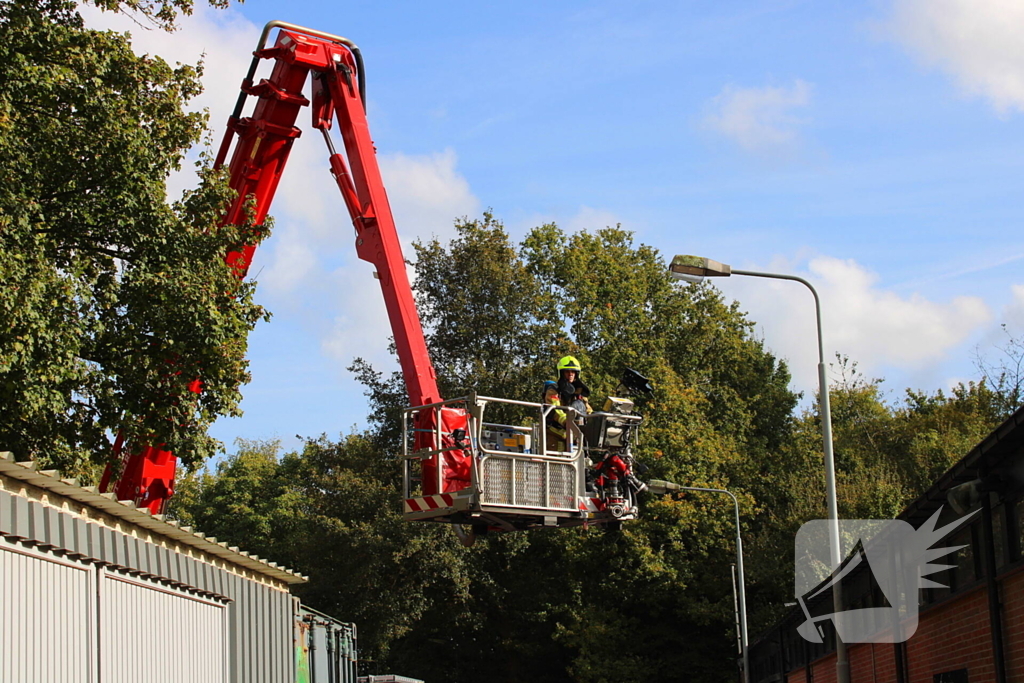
[526, 475]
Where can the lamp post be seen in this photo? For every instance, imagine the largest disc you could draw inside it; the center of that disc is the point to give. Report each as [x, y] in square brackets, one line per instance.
[658, 486]
[695, 269]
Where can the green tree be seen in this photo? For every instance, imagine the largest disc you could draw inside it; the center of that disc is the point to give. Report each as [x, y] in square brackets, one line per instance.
[576, 604]
[497, 317]
[653, 601]
[112, 301]
[886, 452]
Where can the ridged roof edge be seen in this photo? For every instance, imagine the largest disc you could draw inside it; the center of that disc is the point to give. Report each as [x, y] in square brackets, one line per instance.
[126, 510]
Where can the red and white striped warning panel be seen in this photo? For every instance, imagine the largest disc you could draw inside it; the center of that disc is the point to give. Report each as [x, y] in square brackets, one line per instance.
[441, 500]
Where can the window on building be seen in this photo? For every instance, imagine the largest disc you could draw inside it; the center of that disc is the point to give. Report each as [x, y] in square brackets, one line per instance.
[1015, 519]
[958, 676]
[999, 537]
[946, 577]
[964, 571]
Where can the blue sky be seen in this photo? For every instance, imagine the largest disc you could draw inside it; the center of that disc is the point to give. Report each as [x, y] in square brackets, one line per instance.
[874, 148]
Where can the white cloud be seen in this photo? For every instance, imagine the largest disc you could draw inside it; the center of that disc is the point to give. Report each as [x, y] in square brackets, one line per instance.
[980, 43]
[426, 193]
[876, 327]
[591, 219]
[294, 261]
[1014, 313]
[758, 119]
[585, 218]
[991, 351]
[359, 326]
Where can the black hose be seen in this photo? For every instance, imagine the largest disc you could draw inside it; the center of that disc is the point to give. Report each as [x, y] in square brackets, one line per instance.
[360, 74]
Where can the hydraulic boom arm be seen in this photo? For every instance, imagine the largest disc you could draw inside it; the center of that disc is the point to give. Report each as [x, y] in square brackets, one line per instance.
[264, 141]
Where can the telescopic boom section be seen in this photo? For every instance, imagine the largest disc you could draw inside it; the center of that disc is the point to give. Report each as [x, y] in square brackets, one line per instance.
[264, 142]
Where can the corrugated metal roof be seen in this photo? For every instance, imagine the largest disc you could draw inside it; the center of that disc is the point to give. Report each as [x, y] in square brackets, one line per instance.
[126, 510]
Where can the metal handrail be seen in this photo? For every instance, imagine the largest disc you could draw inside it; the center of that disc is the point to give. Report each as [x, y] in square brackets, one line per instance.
[516, 428]
[545, 409]
[539, 452]
[300, 29]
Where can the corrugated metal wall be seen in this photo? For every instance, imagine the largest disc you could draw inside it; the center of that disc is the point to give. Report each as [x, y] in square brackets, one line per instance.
[183, 638]
[258, 637]
[262, 626]
[45, 604]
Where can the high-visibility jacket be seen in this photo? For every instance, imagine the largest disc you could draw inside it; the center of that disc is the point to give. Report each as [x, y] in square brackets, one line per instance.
[556, 429]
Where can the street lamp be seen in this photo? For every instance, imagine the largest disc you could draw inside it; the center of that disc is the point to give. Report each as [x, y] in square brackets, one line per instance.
[658, 486]
[695, 269]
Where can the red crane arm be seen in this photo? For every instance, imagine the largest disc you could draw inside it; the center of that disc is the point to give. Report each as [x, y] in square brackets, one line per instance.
[264, 142]
[376, 235]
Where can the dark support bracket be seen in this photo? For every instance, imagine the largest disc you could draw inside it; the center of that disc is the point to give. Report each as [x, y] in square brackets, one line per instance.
[994, 605]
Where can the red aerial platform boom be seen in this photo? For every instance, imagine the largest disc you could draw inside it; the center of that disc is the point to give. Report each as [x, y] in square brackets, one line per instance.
[470, 470]
[264, 142]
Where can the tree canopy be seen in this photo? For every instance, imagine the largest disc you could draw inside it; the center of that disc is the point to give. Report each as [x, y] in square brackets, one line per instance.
[112, 301]
[653, 601]
[559, 605]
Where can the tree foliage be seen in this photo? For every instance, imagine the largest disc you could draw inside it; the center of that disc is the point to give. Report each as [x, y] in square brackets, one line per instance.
[1005, 372]
[887, 453]
[559, 605]
[651, 602]
[112, 301]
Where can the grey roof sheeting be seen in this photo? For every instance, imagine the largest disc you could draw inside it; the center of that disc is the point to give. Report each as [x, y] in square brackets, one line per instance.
[38, 525]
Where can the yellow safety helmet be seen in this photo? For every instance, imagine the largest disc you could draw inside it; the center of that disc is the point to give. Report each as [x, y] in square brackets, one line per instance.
[569, 363]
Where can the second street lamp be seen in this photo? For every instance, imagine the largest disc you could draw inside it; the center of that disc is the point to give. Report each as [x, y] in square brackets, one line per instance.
[695, 269]
[659, 486]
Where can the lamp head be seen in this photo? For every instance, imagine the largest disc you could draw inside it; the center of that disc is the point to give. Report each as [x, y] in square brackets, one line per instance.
[660, 487]
[696, 268]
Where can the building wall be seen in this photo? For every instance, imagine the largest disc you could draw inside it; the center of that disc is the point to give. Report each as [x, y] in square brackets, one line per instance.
[176, 622]
[872, 662]
[824, 670]
[885, 662]
[951, 636]
[798, 676]
[1012, 592]
[51, 600]
[259, 616]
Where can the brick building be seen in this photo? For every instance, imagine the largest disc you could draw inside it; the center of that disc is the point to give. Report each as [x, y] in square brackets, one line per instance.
[972, 630]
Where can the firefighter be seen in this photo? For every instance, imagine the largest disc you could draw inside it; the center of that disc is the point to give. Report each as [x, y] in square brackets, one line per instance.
[572, 392]
[555, 422]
